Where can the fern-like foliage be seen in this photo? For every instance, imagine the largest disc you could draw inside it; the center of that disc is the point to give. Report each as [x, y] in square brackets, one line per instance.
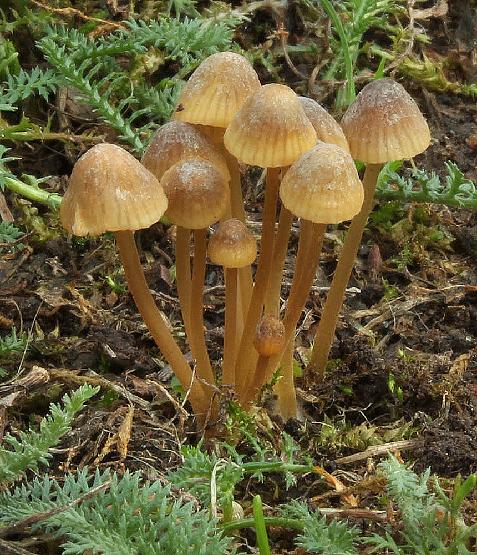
[24, 84]
[421, 186]
[13, 342]
[430, 523]
[31, 448]
[9, 233]
[130, 517]
[320, 535]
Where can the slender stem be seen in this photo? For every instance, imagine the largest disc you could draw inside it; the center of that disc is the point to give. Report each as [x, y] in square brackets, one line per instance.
[272, 299]
[183, 277]
[230, 336]
[156, 322]
[311, 238]
[285, 388]
[260, 526]
[329, 316]
[197, 336]
[33, 193]
[257, 379]
[246, 354]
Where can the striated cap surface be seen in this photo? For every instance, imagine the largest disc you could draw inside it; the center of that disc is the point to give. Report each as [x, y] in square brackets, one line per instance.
[384, 123]
[232, 245]
[270, 336]
[271, 130]
[217, 90]
[177, 140]
[323, 186]
[197, 192]
[327, 128]
[109, 190]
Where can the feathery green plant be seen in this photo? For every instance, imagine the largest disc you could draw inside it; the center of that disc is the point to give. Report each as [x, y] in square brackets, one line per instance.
[32, 448]
[13, 342]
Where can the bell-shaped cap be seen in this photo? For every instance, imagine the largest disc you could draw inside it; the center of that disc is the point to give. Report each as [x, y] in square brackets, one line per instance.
[323, 186]
[232, 245]
[197, 192]
[327, 128]
[109, 190]
[271, 130]
[269, 338]
[177, 140]
[384, 124]
[217, 90]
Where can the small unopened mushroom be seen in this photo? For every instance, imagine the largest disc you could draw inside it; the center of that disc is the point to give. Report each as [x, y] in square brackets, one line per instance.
[198, 196]
[383, 124]
[109, 190]
[270, 131]
[231, 246]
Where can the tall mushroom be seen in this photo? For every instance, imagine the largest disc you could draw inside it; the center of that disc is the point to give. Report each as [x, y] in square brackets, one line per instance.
[270, 131]
[383, 124]
[321, 188]
[198, 196]
[109, 190]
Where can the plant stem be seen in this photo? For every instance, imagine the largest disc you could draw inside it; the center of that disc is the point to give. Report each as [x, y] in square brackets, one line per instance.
[156, 322]
[197, 336]
[260, 527]
[246, 355]
[272, 299]
[329, 316]
[183, 276]
[230, 336]
[311, 239]
[33, 193]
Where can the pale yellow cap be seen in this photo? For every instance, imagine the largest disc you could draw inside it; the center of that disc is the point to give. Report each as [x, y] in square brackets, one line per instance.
[109, 190]
[327, 128]
[323, 186]
[271, 130]
[384, 124]
[270, 336]
[217, 90]
[197, 192]
[177, 140]
[232, 245]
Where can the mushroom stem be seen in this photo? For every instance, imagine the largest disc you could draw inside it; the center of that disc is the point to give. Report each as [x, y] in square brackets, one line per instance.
[196, 329]
[272, 299]
[246, 353]
[183, 276]
[309, 248]
[285, 388]
[329, 316]
[230, 336]
[156, 322]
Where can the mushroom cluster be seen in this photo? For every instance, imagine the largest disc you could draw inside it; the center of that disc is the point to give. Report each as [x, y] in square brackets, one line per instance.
[191, 173]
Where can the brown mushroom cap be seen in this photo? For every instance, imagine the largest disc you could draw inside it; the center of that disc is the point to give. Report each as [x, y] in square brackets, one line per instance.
[232, 245]
[323, 186]
[271, 130]
[384, 123]
[327, 128]
[270, 336]
[109, 190]
[177, 140]
[217, 90]
[197, 192]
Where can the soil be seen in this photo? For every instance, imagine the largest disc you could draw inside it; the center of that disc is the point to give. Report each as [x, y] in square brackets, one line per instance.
[412, 324]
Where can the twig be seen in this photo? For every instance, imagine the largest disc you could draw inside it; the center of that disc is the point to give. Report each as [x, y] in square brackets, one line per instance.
[38, 517]
[77, 13]
[9, 548]
[377, 450]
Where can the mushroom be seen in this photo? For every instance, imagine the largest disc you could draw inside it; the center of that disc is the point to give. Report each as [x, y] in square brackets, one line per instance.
[231, 246]
[383, 124]
[270, 131]
[321, 188]
[109, 190]
[268, 341]
[215, 92]
[198, 196]
[173, 142]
